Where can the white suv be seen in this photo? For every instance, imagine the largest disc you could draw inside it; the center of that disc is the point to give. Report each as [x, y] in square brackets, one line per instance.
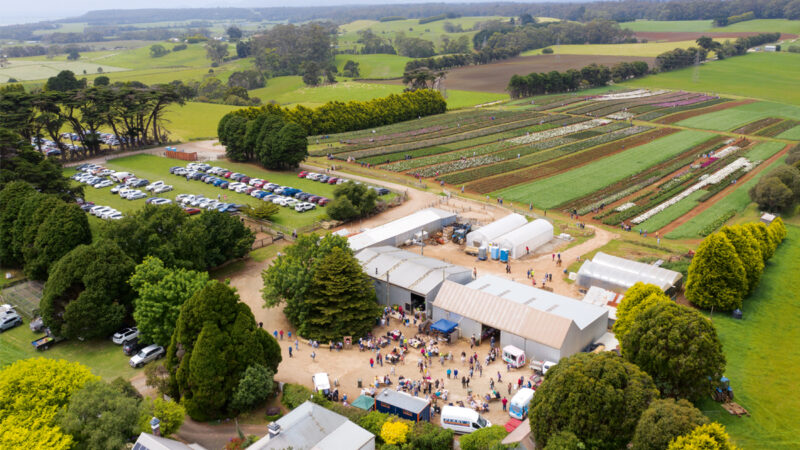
[147, 354]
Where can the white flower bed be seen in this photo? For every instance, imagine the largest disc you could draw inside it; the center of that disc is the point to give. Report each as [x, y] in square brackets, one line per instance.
[638, 93]
[556, 132]
[714, 178]
[625, 206]
[725, 152]
[622, 115]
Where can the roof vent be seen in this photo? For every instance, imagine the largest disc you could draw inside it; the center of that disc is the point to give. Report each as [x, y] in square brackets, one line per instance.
[274, 429]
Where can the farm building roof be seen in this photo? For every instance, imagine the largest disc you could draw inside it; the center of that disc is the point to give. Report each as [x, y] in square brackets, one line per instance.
[312, 426]
[489, 233]
[503, 314]
[532, 235]
[399, 227]
[402, 400]
[408, 270]
[583, 314]
[612, 272]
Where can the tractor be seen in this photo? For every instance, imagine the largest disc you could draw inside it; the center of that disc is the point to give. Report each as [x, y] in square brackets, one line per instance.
[460, 231]
[723, 392]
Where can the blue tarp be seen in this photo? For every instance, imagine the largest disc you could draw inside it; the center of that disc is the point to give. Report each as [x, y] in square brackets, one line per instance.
[444, 326]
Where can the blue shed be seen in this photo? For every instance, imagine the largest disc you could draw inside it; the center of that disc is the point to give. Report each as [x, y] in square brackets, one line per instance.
[403, 405]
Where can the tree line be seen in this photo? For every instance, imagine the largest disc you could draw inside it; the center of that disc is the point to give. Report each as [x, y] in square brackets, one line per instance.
[571, 80]
[680, 58]
[290, 49]
[779, 190]
[132, 111]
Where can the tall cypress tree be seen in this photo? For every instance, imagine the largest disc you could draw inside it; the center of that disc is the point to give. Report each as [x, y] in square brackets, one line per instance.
[717, 278]
[748, 250]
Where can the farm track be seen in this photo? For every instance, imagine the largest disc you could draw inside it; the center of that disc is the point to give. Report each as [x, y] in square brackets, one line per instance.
[553, 167]
[669, 120]
[724, 192]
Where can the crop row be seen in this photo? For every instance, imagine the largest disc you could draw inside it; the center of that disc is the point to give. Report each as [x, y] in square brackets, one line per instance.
[438, 159]
[442, 140]
[597, 107]
[605, 201]
[778, 128]
[752, 127]
[652, 115]
[559, 164]
[716, 223]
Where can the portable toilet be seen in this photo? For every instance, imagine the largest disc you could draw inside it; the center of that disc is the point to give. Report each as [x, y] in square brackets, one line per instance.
[495, 250]
[482, 253]
[504, 255]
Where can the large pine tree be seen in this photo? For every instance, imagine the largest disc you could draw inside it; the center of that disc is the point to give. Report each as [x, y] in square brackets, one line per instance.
[342, 299]
[717, 278]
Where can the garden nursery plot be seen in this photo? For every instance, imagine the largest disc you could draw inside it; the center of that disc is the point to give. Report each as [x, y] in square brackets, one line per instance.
[567, 186]
[738, 116]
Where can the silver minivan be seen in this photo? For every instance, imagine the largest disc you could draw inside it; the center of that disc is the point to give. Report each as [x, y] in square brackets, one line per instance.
[147, 354]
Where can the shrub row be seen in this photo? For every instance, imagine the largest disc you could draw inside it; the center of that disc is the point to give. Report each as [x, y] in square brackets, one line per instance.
[718, 222]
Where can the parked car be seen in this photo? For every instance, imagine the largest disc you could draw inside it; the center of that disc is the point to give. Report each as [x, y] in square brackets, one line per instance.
[161, 201]
[125, 335]
[147, 354]
[115, 189]
[332, 180]
[302, 174]
[163, 188]
[303, 207]
[132, 347]
[153, 185]
[9, 321]
[192, 211]
[323, 179]
[136, 195]
[103, 184]
[323, 201]
[140, 183]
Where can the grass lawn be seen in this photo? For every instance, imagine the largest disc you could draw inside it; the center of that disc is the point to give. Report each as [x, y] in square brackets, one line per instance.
[195, 121]
[791, 133]
[668, 215]
[764, 151]
[762, 356]
[628, 247]
[731, 118]
[768, 76]
[375, 66]
[555, 190]
[763, 25]
[736, 200]
[650, 49]
[155, 168]
[103, 357]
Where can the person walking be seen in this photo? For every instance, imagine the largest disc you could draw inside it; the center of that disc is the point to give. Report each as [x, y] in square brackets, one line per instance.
[455, 373]
[448, 373]
[509, 388]
[371, 363]
[290, 351]
[505, 402]
[313, 355]
[296, 344]
[499, 377]
[275, 333]
[281, 333]
[491, 383]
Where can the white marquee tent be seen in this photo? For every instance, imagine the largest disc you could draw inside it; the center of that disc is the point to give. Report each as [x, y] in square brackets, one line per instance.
[487, 234]
[532, 235]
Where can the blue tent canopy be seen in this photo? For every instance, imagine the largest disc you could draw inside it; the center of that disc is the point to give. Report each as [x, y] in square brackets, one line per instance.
[444, 326]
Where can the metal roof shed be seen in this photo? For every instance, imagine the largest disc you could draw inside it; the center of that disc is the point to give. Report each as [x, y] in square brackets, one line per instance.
[404, 405]
[489, 233]
[618, 274]
[532, 235]
[398, 231]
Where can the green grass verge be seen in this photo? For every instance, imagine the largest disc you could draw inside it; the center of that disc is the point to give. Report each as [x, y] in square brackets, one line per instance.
[768, 76]
[555, 190]
[375, 66]
[791, 133]
[762, 360]
[736, 200]
[731, 118]
[103, 357]
[668, 215]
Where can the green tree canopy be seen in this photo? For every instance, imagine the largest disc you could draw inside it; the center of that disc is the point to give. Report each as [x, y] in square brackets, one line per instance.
[360, 196]
[565, 440]
[160, 294]
[635, 297]
[216, 339]
[64, 81]
[87, 294]
[170, 414]
[42, 173]
[64, 227]
[157, 51]
[710, 436]
[749, 252]
[484, 439]
[579, 394]
[761, 233]
[663, 421]
[676, 346]
[255, 387]
[341, 299]
[99, 416]
[223, 237]
[717, 278]
[31, 393]
[12, 197]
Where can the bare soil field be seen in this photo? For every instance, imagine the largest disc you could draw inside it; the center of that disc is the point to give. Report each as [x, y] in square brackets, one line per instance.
[494, 77]
[698, 112]
[662, 36]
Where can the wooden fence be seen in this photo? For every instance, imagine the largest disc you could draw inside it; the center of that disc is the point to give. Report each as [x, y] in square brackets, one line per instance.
[183, 156]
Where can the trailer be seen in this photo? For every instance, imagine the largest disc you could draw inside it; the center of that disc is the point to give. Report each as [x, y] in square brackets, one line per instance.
[46, 342]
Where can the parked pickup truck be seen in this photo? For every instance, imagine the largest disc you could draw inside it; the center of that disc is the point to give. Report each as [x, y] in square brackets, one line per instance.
[46, 342]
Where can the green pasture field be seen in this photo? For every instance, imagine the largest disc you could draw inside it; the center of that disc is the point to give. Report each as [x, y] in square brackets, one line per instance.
[195, 121]
[155, 168]
[768, 76]
[555, 190]
[736, 200]
[764, 151]
[762, 25]
[375, 66]
[30, 69]
[731, 118]
[103, 357]
[668, 215]
[649, 49]
[74, 27]
[791, 133]
[762, 360]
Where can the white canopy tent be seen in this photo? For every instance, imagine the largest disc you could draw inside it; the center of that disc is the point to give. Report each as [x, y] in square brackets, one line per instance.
[532, 235]
[487, 234]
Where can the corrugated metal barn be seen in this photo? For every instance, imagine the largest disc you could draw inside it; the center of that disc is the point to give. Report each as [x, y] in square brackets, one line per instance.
[398, 231]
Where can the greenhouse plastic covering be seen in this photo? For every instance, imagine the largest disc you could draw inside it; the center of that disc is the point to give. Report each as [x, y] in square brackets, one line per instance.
[614, 273]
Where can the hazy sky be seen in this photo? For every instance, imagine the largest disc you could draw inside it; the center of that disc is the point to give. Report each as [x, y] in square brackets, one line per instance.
[15, 11]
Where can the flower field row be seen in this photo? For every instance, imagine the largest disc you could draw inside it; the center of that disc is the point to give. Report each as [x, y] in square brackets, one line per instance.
[752, 127]
[638, 93]
[778, 128]
[652, 115]
[542, 135]
[689, 101]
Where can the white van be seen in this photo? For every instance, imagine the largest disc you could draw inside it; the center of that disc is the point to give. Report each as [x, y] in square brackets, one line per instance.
[321, 383]
[513, 356]
[541, 366]
[518, 407]
[462, 420]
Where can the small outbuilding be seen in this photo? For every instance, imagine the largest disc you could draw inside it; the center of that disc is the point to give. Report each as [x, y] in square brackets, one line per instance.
[489, 233]
[397, 232]
[527, 237]
[767, 218]
[403, 405]
[618, 274]
[408, 279]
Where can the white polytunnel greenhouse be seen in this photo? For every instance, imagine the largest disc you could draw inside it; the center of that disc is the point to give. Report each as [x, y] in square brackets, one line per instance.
[397, 232]
[532, 235]
[487, 234]
[618, 274]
